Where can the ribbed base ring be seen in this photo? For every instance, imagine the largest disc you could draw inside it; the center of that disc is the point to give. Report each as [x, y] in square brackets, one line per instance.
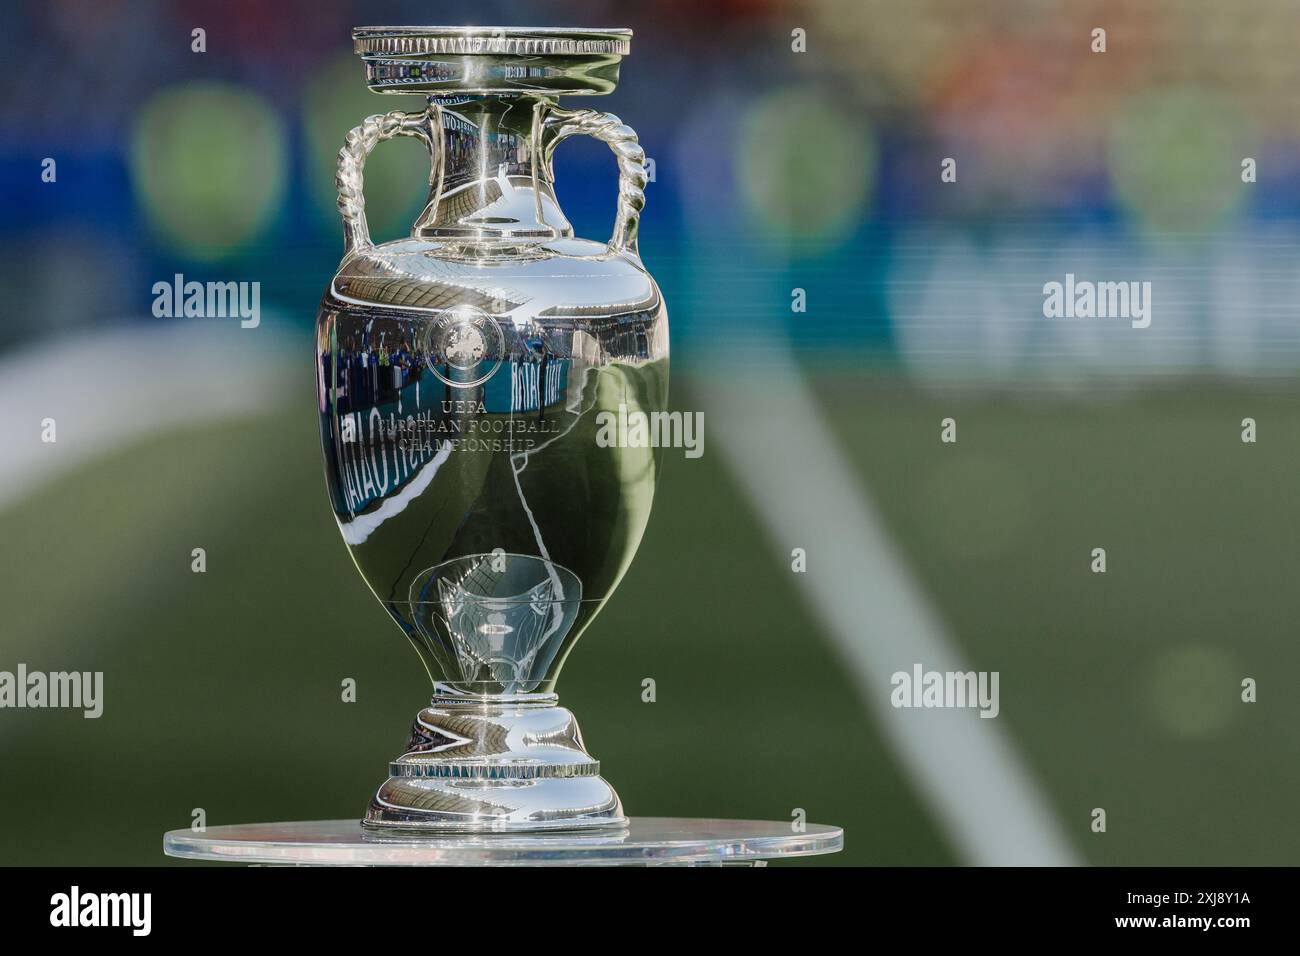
[493, 771]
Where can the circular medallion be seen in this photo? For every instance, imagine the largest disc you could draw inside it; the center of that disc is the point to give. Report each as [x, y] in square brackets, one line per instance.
[464, 346]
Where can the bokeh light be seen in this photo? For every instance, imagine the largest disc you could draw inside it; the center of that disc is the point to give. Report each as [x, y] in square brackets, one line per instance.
[1175, 158]
[209, 165]
[806, 165]
[1191, 690]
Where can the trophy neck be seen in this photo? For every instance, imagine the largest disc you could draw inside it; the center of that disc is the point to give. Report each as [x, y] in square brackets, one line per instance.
[490, 175]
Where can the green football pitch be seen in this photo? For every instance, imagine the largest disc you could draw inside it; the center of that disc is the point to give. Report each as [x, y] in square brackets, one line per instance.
[1119, 690]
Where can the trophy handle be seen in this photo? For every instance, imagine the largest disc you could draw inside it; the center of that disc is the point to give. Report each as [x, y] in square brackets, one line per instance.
[352, 160]
[622, 140]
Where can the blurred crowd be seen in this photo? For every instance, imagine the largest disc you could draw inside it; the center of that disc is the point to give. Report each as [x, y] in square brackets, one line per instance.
[200, 137]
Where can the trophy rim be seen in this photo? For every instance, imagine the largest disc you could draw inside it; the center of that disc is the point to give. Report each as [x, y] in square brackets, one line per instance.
[405, 40]
[485, 60]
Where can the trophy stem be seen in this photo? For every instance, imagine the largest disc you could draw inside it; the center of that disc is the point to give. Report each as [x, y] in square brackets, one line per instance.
[494, 764]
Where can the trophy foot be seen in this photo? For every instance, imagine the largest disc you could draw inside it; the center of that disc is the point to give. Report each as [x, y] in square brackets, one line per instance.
[493, 766]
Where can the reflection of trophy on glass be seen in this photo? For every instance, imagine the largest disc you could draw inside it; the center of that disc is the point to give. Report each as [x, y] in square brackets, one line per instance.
[503, 615]
[472, 493]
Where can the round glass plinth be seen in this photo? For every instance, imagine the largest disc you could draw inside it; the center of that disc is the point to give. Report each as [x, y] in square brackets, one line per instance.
[646, 841]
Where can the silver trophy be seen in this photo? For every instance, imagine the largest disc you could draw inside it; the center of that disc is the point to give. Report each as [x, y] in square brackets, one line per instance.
[463, 374]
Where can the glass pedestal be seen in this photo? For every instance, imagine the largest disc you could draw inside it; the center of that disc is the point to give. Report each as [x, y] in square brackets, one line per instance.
[645, 841]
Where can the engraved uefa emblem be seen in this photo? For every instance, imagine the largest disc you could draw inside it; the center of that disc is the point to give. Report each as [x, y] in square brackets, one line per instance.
[464, 346]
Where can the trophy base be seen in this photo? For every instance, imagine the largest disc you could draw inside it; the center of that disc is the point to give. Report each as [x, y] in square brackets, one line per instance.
[645, 841]
[494, 765]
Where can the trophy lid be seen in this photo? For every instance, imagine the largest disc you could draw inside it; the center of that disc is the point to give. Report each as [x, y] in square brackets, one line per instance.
[482, 60]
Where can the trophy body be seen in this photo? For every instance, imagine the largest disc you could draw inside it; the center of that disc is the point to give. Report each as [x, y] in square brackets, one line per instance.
[468, 377]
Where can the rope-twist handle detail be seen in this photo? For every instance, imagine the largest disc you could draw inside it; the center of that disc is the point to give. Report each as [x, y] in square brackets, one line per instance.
[350, 177]
[632, 177]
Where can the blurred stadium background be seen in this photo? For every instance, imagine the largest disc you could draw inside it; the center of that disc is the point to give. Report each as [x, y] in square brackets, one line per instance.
[774, 170]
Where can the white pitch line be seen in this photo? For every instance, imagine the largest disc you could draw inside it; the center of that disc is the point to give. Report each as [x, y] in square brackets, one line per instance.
[857, 585]
[108, 390]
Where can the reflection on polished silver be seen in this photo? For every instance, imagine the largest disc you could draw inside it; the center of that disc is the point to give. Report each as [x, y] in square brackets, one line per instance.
[643, 841]
[501, 766]
[460, 372]
[490, 59]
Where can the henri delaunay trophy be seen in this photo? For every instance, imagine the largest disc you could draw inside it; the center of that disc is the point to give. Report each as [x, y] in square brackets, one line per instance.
[466, 477]
[360, 514]
[468, 378]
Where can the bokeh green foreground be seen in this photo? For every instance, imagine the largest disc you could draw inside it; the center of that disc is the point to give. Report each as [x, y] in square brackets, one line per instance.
[1122, 690]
